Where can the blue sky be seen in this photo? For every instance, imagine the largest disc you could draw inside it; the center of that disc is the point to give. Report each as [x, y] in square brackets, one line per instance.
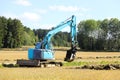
[48, 13]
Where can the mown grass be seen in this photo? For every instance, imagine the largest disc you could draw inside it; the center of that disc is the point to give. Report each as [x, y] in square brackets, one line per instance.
[1, 66]
[82, 63]
[75, 63]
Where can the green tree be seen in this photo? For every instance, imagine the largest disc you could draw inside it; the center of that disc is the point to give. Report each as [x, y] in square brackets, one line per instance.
[17, 32]
[114, 32]
[29, 37]
[1, 35]
[87, 31]
[8, 38]
[14, 33]
[3, 30]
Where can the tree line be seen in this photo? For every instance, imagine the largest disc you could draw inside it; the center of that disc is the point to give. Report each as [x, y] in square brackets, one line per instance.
[99, 35]
[93, 35]
[14, 34]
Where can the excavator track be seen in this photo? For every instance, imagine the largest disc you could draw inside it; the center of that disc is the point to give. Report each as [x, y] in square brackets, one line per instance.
[37, 63]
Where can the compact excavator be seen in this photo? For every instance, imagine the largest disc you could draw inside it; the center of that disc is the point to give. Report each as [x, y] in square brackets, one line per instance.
[43, 53]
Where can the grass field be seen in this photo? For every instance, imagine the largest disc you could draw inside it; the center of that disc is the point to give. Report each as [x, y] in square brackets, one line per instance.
[60, 73]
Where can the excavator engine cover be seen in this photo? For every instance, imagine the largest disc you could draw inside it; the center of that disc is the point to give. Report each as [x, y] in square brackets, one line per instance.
[40, 54]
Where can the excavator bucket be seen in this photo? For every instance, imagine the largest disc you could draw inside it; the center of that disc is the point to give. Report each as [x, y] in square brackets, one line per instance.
[70, 56]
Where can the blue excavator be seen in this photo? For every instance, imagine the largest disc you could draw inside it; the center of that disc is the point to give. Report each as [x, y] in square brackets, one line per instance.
[43, 53]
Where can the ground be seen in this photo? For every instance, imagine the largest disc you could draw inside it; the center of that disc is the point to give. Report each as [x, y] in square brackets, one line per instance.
[59, 73]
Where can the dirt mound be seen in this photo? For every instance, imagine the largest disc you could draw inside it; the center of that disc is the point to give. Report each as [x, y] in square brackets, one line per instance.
[101, 67]
[10, 65]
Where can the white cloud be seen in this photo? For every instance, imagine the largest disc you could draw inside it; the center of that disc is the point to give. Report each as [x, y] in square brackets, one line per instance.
[40, 11]
[9, 15]
[23, 2]
[46, 26]
[64, 8]
[30, 16]
[67, 8]
[84, 9]
[29, 19]
[50, 26]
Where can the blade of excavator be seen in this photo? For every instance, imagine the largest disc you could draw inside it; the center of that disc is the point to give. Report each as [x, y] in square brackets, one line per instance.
[70, 56]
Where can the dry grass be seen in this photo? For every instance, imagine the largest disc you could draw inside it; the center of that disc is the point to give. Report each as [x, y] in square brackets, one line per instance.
[58, 73]
[13, 55]
[91, 56]
[97, 54]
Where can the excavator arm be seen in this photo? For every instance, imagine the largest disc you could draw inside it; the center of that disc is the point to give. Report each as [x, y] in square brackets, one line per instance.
[71, 22]
[46, 43]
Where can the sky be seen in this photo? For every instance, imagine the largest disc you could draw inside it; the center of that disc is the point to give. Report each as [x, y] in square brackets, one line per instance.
[46, 14]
